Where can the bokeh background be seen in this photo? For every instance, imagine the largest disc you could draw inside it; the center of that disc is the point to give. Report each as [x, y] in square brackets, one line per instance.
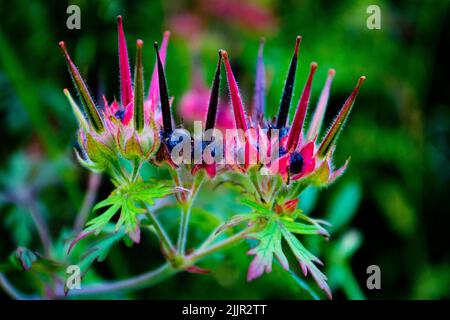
[391, 207]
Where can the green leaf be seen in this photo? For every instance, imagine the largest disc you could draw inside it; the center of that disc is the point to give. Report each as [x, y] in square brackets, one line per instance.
[306, 259]
[302, 228]
[269, 245]
[257, 207]
[98, 252]
[127, 200]
[270, 237]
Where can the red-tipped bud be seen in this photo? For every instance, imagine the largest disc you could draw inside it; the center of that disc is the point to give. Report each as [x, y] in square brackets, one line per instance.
[88, 103]
[126, 90]
[316, 122]
[332, 135]
[299, 119]
[238, 107]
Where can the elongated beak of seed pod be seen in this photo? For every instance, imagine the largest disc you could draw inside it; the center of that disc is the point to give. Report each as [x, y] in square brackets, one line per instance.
[316, 122]
[139, 89]
[214, 98]
[297, 125]
[259, 101]
[333, 134]
[238, 107]
[90, 109]
[164, 95]
[76, 111]
[126, 90]
[288, 87]
[153, 90]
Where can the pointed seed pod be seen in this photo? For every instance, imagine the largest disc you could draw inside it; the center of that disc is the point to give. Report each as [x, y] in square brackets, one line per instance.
[238, 107]
[88, 103]
[214, 98]
[164, 95]
[288, 87]
[139, 89]
[297, 125]
[316, 122]
[333, 134]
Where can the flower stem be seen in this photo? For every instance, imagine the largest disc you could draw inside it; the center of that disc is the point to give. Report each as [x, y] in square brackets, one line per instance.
[89, 199]
[141, 281]
[186, 212]
[153, 277]
[41, 227]
[201, 253]
[160, 230]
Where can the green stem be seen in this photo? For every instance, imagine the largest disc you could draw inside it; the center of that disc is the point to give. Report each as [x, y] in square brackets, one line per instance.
[141, 281]
[153, 277]
[255, 183]
[160, 230]
[184, 223]
[136, 168]
[201, 253]
[186, 207]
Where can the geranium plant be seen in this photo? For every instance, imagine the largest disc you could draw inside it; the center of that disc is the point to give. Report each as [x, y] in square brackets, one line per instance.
[271, 160]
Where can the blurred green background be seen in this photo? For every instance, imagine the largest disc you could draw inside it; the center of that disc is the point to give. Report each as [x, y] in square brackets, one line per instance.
[391, 207]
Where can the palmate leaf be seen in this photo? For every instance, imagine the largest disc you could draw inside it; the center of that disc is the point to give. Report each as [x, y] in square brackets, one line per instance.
[274, 228]
[306, 259]
[127, 201]
[269, 245]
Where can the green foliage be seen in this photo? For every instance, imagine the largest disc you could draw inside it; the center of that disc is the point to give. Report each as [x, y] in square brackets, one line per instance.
[271, 229]
[128, 200]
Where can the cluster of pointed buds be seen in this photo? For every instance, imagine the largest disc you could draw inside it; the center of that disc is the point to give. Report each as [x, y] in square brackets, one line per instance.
[128, 128]
[300, 155]
[139, 128]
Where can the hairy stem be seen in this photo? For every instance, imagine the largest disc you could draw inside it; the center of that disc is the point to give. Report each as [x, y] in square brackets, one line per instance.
[153, 277]
[89, 199]
[201, 253]
[162, 234]
[184, 223]
[141, 281]
[186, 212]
[41, 226]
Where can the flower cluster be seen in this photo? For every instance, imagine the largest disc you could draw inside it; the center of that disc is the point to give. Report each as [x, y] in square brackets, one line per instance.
[279, 158]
